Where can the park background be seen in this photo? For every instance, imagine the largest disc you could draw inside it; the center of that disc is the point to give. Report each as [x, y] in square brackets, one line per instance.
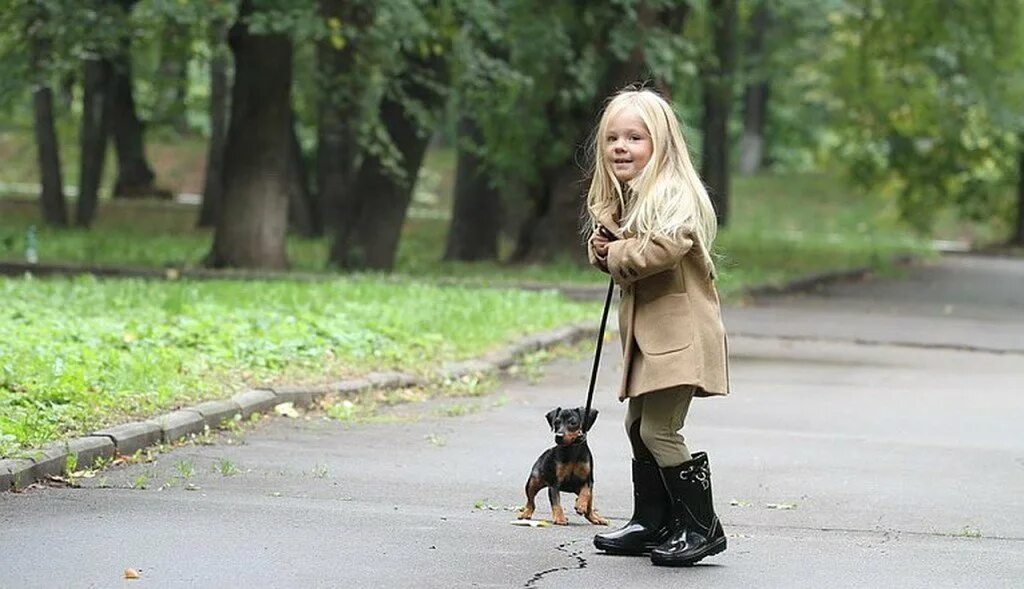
[372, 165]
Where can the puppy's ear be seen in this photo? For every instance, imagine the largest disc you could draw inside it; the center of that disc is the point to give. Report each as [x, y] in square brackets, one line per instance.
[589, 421]
[551, 417]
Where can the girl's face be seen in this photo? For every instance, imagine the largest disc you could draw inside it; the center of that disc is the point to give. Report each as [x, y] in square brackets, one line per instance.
[627, 145]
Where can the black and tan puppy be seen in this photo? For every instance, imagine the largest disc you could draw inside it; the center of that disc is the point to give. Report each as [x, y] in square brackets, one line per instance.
[568, 467]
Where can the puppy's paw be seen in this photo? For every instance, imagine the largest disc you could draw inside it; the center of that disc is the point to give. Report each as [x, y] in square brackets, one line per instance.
[560, 520]
[581, 507]
[597, 520]
[525, 513]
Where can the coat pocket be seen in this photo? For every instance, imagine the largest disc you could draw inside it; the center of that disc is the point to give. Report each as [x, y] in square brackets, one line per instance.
[664, 324]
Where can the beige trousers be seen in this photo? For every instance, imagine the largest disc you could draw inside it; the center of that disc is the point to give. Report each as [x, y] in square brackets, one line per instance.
[653, 421]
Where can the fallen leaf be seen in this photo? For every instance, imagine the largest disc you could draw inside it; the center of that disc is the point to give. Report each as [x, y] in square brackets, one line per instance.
[738, 503]
[286, 410]
[131, 574]
[782, 506]
[532, 523]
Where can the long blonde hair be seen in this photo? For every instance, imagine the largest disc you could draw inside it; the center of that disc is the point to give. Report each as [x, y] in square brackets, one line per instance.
[667, 197]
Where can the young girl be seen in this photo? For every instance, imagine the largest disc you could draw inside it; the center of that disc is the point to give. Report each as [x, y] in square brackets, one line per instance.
[653, 226]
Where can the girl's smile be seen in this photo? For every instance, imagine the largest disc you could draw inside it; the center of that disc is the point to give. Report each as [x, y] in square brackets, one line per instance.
[628, 145]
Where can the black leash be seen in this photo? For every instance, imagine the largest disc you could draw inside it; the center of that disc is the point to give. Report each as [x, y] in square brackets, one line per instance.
[597, 353]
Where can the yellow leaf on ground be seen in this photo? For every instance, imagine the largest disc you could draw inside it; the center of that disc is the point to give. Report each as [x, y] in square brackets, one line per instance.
[131, 574]
[286, 410]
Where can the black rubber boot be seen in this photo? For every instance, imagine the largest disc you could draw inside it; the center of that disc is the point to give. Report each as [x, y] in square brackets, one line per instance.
[648, 528]
[696, 531]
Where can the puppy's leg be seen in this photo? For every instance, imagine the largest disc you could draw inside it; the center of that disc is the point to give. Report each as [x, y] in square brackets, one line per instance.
[533, 486]
[587, 496]
[557, 515]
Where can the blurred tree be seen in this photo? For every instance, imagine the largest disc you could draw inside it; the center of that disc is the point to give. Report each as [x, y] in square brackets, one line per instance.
[301, 207]
[213, 182]
[717, 80]
[476, 208]
[51, 197]
[134, 174]
[925, 99]
[341, 88]
[253, 222]
[755, 94]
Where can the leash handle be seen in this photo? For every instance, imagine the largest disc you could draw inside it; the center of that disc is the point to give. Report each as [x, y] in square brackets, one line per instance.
[597, 352]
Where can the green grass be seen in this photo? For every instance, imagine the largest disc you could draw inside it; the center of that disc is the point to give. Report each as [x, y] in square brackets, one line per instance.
[76, 354]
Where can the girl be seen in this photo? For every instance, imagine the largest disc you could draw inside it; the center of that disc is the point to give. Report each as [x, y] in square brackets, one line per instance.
[652, 228]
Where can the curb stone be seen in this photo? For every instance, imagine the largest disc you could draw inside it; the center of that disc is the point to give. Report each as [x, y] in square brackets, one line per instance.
[180, 424]
[131, 437]
[16, 474]
[255, 401]
[128, 438]
[215, 413]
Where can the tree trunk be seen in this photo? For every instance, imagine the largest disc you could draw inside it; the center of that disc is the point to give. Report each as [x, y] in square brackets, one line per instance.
[368, 237]
[553, 228]
[337, 146]
[213, 184]
[134, 176]
[253, 225]
[1018, 234]
[476, 211]
[92, 138]
[51, 197]
[755, 96]
[717, 81]
[301, 218]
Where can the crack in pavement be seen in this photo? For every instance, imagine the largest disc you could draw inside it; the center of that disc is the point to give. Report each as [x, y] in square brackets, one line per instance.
[581, 563]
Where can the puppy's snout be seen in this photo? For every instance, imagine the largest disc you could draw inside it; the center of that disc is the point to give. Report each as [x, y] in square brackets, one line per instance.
[559, 437]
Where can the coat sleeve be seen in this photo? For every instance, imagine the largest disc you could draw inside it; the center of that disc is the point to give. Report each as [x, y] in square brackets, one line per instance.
[595, 261]
[627, 262]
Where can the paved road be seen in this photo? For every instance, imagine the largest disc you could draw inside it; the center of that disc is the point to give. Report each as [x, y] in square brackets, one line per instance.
[886, 414]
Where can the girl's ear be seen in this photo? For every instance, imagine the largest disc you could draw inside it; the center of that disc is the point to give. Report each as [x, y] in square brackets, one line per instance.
[551, 417]
[591, 418]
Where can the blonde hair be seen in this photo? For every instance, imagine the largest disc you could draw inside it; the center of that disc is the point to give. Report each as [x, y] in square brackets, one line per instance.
[667, 197]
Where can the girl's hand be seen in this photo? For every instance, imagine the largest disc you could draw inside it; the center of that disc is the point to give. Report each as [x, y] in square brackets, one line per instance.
[599, 243]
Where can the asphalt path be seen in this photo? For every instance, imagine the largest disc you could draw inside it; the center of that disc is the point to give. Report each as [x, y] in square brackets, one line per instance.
[873, 437]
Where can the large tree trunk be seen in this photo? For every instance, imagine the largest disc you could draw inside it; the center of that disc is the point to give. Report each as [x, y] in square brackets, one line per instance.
[51, 197]
[134, 176]
[254, 221]
[337, 146]
[368, 236]
[301, 218]
[1018, 234]
[755, 96]
[717, 80]
[213, 184]
[476, 211]
[92, 138]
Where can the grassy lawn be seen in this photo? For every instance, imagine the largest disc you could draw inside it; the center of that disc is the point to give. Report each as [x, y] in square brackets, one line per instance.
[80, 353]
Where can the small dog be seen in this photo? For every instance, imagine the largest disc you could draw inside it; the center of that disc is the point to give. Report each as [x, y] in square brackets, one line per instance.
[568, 466]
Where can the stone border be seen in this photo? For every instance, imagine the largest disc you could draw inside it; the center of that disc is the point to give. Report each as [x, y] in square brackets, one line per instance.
[52, 459]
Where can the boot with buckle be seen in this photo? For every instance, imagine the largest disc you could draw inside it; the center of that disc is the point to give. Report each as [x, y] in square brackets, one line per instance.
[696, 530]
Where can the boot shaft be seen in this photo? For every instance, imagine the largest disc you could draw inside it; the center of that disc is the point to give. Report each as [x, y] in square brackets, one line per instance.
[689, 487]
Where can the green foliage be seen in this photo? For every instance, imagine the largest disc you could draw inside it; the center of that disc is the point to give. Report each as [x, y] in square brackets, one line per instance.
[926, 101]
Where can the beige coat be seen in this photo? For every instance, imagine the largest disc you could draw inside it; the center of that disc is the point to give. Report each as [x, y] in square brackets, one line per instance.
[670, 319]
